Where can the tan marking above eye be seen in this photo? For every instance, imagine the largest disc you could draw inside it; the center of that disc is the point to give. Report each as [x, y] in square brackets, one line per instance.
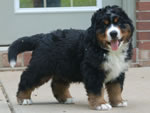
[106, 22]
[116, 19]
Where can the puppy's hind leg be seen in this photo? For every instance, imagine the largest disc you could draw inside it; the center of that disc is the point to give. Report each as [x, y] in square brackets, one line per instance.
[29, 81]
[61, 92]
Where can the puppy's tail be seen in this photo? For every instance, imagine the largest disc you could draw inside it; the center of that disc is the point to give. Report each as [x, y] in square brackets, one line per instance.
[21, 45]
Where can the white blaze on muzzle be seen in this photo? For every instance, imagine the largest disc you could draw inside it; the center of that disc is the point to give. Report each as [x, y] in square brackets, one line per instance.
[114, 41]
[111, 29]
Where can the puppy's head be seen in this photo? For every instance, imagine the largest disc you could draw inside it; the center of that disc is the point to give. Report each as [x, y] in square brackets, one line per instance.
[113, 27]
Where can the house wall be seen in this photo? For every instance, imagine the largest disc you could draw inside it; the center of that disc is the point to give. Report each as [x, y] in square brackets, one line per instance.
[13, 25]
[142, 51]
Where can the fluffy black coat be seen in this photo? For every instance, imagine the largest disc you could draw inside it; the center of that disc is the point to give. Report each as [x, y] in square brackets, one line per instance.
[69, 55]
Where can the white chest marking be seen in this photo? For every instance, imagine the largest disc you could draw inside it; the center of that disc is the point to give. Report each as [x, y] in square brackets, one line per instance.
[115, 64]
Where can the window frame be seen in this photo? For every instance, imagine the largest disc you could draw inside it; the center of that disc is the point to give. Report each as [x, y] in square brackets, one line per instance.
[17, 8]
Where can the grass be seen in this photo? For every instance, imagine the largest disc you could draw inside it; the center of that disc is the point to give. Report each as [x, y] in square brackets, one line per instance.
[26, 3]
[64, 3]
[84, 2]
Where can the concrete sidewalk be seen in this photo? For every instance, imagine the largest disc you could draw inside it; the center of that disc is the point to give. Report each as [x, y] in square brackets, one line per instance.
[136, 91]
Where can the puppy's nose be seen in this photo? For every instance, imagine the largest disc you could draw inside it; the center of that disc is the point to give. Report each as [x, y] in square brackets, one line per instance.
[113, 34]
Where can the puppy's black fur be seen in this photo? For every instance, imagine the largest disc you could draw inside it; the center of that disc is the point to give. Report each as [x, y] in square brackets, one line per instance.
[73, 55]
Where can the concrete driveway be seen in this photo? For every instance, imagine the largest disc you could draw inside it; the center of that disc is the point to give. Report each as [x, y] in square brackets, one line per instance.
[136, 91]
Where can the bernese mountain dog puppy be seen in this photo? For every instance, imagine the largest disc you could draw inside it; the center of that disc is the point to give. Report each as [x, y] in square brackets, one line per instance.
[98, 57]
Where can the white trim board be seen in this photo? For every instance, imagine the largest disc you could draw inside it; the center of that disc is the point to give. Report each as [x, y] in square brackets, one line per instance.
[56, 9]
[3, 49]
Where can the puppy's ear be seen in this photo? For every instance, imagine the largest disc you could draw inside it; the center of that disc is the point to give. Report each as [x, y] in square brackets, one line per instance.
[97, 16]
[93, 19]
[91, 35]
[132, 27]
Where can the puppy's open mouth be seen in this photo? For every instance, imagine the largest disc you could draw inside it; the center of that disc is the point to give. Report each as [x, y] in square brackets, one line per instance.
[114, 44]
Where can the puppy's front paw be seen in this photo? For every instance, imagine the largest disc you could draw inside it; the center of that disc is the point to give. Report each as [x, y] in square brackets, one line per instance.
[69, 101]
[104, 107]
[121, 104]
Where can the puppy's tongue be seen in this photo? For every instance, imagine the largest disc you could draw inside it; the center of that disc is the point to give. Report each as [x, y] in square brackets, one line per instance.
[114, 45]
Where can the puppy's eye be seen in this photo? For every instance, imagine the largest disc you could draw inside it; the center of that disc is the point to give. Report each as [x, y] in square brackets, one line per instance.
[116, 19]
[106, 22]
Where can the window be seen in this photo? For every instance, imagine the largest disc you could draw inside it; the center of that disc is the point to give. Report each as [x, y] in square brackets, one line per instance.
[38, 6]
